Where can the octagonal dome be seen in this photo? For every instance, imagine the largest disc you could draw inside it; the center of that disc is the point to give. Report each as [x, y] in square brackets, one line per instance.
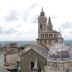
[59, 51]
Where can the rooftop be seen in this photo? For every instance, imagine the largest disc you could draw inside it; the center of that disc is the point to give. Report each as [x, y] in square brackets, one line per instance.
[60, 52]
[40, 49]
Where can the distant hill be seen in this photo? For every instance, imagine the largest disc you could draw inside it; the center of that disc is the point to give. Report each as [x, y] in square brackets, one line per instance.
[68, 42]
[22, 43]
[19, 43]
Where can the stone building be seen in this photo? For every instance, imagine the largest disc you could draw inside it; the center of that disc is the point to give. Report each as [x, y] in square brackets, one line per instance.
[33, 58]
[48, 55]
[10, 54]
[59, 59]
[46, 35]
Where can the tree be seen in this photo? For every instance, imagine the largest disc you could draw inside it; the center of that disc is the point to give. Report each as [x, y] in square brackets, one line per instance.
[21, 48]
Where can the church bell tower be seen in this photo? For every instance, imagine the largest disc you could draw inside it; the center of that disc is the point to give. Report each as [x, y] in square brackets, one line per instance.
[46, 35]
[41, 22]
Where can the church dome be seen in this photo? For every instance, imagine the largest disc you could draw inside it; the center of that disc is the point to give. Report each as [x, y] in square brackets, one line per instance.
[59, 51]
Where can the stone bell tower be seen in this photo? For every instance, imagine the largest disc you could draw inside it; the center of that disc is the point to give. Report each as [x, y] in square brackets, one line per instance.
[46, 35]
[41, 22]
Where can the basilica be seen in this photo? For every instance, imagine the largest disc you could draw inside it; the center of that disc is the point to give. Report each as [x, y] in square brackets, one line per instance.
[46, 35]
[49, 54]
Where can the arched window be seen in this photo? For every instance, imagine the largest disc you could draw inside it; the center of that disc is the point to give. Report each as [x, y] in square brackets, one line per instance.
[32, 65]
[40, 26]
[42, 35]
[51, 35]
[47, 35]
[55, 35]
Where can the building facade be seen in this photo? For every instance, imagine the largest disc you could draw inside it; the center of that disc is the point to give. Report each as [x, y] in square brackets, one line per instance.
[59, 59]
[46, 35]
[33, 58]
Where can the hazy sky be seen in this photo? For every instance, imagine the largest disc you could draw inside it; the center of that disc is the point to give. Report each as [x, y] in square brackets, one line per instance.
[18, 18]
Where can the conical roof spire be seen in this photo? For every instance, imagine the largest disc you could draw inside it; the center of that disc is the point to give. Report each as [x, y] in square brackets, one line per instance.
[49, 24]
[42, 13]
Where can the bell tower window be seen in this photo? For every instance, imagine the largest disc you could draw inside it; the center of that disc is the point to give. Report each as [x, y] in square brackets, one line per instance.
[40, 26]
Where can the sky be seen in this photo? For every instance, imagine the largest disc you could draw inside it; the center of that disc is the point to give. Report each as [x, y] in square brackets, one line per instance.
[18, 18]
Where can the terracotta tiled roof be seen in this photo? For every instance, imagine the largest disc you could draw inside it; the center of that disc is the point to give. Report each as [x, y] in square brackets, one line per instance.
[40, 49]
[35, 46]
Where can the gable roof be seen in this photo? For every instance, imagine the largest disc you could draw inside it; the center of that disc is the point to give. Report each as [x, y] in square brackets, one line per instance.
[42, 50]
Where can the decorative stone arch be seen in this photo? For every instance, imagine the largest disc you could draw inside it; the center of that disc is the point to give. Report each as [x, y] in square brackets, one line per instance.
[41, 26]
